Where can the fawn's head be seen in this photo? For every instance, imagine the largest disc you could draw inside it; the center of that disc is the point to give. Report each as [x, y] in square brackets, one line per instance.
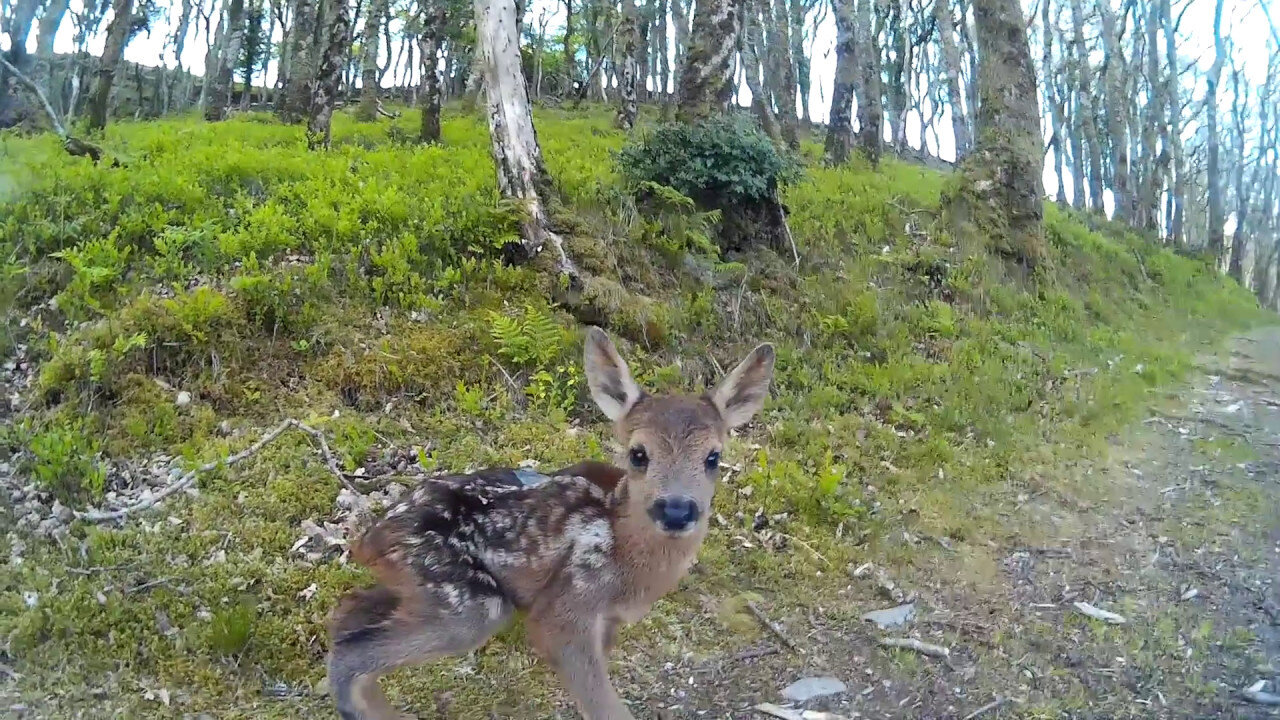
[673, 442]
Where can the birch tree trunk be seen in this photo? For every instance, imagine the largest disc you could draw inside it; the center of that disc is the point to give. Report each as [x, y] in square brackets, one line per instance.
[629, 77]
[1172, 96]
[1114, 66]
[784, 91]
[870, 107]
[513, 142]
[112, 52]
[374, 14]
[47, 30]
[296, 98]
[429, 43]
[1002, 197]
[334, 44]
[753, 41]
[796, 17]
[222, 77]
[680, 23]
[1217, 239]
[840, 123]
[951, 70]
[706, 80]
[1050, 97]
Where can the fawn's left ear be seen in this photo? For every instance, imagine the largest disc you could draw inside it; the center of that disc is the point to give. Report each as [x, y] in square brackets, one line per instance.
[741, 394]
[608, 376]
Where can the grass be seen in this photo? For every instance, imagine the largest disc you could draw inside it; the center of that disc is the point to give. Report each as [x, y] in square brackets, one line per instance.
[920, 386]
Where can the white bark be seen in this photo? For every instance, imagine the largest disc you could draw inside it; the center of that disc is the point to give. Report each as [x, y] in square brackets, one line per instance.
[513, 140]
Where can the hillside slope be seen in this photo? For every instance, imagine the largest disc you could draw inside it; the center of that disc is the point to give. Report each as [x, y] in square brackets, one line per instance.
[932, 413]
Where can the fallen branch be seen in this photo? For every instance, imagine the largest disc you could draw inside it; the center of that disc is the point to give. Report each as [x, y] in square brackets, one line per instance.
[923, 648]
[188, 478]
[73, 146]
[385, 113]
[986, 708]
[772, 626]
[1099, 614]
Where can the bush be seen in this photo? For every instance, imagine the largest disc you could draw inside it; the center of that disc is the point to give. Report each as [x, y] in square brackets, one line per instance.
[726, 159]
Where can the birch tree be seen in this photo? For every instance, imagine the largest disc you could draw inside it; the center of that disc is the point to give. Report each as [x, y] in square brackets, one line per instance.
[513, 141]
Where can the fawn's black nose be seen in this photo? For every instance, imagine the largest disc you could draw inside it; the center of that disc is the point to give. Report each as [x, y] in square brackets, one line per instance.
[676, 513]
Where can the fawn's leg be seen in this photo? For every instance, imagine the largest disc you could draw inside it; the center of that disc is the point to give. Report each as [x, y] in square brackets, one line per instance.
[575, 649]
[378, 630]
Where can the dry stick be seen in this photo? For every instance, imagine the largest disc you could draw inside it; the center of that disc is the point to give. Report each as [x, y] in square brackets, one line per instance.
[786, 228]
[923, 648]
[985, 708]
[772, 626]
[189, 477]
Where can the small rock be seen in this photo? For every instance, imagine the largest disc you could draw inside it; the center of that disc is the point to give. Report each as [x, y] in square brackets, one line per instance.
[394, 491]
[224, 428]
[30, 598]
[62, 512]
[891, 617]
[183, 399]
[806, 689]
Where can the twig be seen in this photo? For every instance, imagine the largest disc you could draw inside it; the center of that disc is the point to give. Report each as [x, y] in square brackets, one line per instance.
[516, 394]
[986, 708]
[189, 477]
[786, 229]
[146, 585]
[804, 545]
[94, 570]
[923, 648]
[772, 626]
[754, 653]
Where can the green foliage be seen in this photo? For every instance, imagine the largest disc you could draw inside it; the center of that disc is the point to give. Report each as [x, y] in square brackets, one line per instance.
[65, 459]
[531, 338]
[727, 157]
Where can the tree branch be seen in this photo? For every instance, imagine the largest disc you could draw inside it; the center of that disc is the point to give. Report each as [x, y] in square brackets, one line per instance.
[189, 477]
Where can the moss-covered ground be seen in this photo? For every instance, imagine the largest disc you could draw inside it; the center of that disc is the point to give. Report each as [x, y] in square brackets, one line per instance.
[935, 413]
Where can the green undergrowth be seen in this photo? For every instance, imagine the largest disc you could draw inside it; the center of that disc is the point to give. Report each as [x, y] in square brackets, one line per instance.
[919, 383]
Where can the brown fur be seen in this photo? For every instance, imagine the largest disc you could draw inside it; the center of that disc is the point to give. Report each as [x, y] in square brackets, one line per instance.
[583, 553]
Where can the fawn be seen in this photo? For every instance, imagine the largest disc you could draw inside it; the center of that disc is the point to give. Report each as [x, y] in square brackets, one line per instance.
[581, 553]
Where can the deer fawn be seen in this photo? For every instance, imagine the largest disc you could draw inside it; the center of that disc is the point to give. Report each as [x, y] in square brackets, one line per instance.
[581, 553]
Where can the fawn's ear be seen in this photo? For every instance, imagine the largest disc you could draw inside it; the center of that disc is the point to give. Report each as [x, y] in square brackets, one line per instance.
[741, 394]
[608, 376]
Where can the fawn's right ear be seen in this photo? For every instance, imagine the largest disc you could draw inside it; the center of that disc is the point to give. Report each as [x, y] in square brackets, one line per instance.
[608, 376]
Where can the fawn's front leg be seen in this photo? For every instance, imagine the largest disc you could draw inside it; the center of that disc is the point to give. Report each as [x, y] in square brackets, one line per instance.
[575, 649]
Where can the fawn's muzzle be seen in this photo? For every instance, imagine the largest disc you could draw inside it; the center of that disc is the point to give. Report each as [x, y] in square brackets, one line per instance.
[675, 514]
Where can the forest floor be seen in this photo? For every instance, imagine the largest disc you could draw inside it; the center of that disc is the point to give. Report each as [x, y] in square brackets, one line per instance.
[943, 433]
[1178, 532]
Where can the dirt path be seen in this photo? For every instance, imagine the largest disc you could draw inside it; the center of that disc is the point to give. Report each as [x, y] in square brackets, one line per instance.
[1180, 535]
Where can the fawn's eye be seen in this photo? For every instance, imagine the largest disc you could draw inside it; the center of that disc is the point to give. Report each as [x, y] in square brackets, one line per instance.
[639, 458]
[713, 460]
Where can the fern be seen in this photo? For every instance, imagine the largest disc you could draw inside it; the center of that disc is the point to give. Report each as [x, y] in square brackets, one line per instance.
[531, 339]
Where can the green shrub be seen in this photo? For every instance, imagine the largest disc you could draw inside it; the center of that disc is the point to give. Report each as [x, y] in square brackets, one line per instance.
[727, 158]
